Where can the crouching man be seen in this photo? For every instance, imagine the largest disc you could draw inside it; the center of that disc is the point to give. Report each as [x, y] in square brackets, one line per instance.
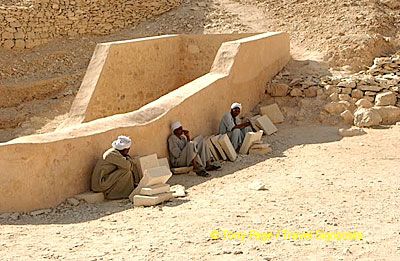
[184, 152]
[114, 172]
[231, 125]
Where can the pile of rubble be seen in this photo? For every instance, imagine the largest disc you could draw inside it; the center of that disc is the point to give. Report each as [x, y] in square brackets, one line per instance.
[365, 99]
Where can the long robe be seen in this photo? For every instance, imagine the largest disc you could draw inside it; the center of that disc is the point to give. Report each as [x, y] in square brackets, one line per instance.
[228, 122]
[182, 152]
[113, 175]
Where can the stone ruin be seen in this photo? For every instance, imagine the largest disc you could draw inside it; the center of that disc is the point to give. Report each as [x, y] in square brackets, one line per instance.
[221, 69]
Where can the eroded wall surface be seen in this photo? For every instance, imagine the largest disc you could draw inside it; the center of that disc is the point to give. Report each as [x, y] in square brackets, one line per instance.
[134, 73]
[37, 21]
[43, 170]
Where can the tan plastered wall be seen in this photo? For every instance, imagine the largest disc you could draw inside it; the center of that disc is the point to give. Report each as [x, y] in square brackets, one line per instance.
[43, 170]
[35, 22]
[136, 72]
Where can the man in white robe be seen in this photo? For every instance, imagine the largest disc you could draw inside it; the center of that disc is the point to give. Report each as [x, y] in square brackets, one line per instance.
[230, 124]
[185, 152]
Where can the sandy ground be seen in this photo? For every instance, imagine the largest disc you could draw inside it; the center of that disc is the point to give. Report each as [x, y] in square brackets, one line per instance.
[315, 180]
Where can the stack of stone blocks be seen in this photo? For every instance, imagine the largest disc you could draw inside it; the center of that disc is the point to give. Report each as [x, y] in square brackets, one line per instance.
[152, 188]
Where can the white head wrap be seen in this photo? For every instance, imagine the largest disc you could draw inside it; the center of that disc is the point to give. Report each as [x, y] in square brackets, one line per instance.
[123, 142]
[175, 125]
[236, 105]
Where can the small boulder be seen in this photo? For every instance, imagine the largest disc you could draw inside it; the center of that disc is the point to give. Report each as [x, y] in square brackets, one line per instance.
[389, 114]
[347, 116]
[296, 92]
[278, 89]
[311, 92]
[366, 117]
[364, 103]
[356, 93]
[335, 108]
[353, 131]
[385, 99]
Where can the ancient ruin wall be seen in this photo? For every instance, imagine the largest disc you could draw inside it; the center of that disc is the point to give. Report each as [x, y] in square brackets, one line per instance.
[136, 72]
[41, 171]
[39, 21]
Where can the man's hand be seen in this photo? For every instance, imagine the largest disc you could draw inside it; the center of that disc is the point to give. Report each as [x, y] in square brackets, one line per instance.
[242, 125]
[186, 133]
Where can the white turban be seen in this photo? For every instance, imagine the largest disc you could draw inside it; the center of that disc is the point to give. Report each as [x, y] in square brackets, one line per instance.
[123, 142]
[236, 105]
[175, 125]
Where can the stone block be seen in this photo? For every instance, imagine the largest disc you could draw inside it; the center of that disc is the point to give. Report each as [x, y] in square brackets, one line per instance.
[385, 99]
[253, 122]
[152, 176]
[155, 189]
[182, 170]
[227, 146]
[278, 89]
[212, 149]
[147, 162]
[221, 152]
[91, 197]
[163, 162]
[147, 201]
[260, 149]
[273, 112]
[266, 125]
[249, 140]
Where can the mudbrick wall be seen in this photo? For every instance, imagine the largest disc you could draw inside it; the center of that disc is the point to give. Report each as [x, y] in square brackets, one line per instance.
[32, 23]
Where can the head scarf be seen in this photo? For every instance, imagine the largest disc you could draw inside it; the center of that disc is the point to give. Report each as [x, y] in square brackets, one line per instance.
[175, 126]
[121, 143]
[236, 105]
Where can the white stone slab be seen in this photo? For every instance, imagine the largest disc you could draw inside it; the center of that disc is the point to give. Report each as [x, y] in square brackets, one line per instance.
[250, 139]
[153, 176]
[227, 146]
[182, 170]
[147, 162]
[213, 151]
[221, 152]
[273, 112]
[266, 125]
[142, 200]
[253, 121]
[155, 189]
[260, 149]
[163, 162]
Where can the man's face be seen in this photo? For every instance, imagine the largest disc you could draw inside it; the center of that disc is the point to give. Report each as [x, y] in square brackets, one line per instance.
[235, 112]
[178, 131]
[125, 152]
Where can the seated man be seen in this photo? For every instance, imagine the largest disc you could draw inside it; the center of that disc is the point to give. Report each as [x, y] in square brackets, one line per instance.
[230, 124]
[113, 174]
[185, 152]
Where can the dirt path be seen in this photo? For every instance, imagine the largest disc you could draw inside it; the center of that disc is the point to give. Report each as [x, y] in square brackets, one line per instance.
[315, 181]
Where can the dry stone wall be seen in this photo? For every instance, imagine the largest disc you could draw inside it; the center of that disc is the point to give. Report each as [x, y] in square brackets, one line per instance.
[37, 22]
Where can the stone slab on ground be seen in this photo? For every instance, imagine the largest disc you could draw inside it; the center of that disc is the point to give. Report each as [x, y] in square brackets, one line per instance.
[155, 189]
[182, 170]
[91, 197]
[354, 131]
[273, 112]
[163, 162]
[147, 201]
[250, 139]
[213, 151]
[260, 149]
[266, 125]
[147, 162]
[214, 140]
[178, 191]
[253, 122]
[227, 146]
[152, 176]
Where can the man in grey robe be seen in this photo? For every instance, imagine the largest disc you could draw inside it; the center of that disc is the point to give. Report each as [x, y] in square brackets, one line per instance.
[114, 172]
[231, 125]
[185, 152]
